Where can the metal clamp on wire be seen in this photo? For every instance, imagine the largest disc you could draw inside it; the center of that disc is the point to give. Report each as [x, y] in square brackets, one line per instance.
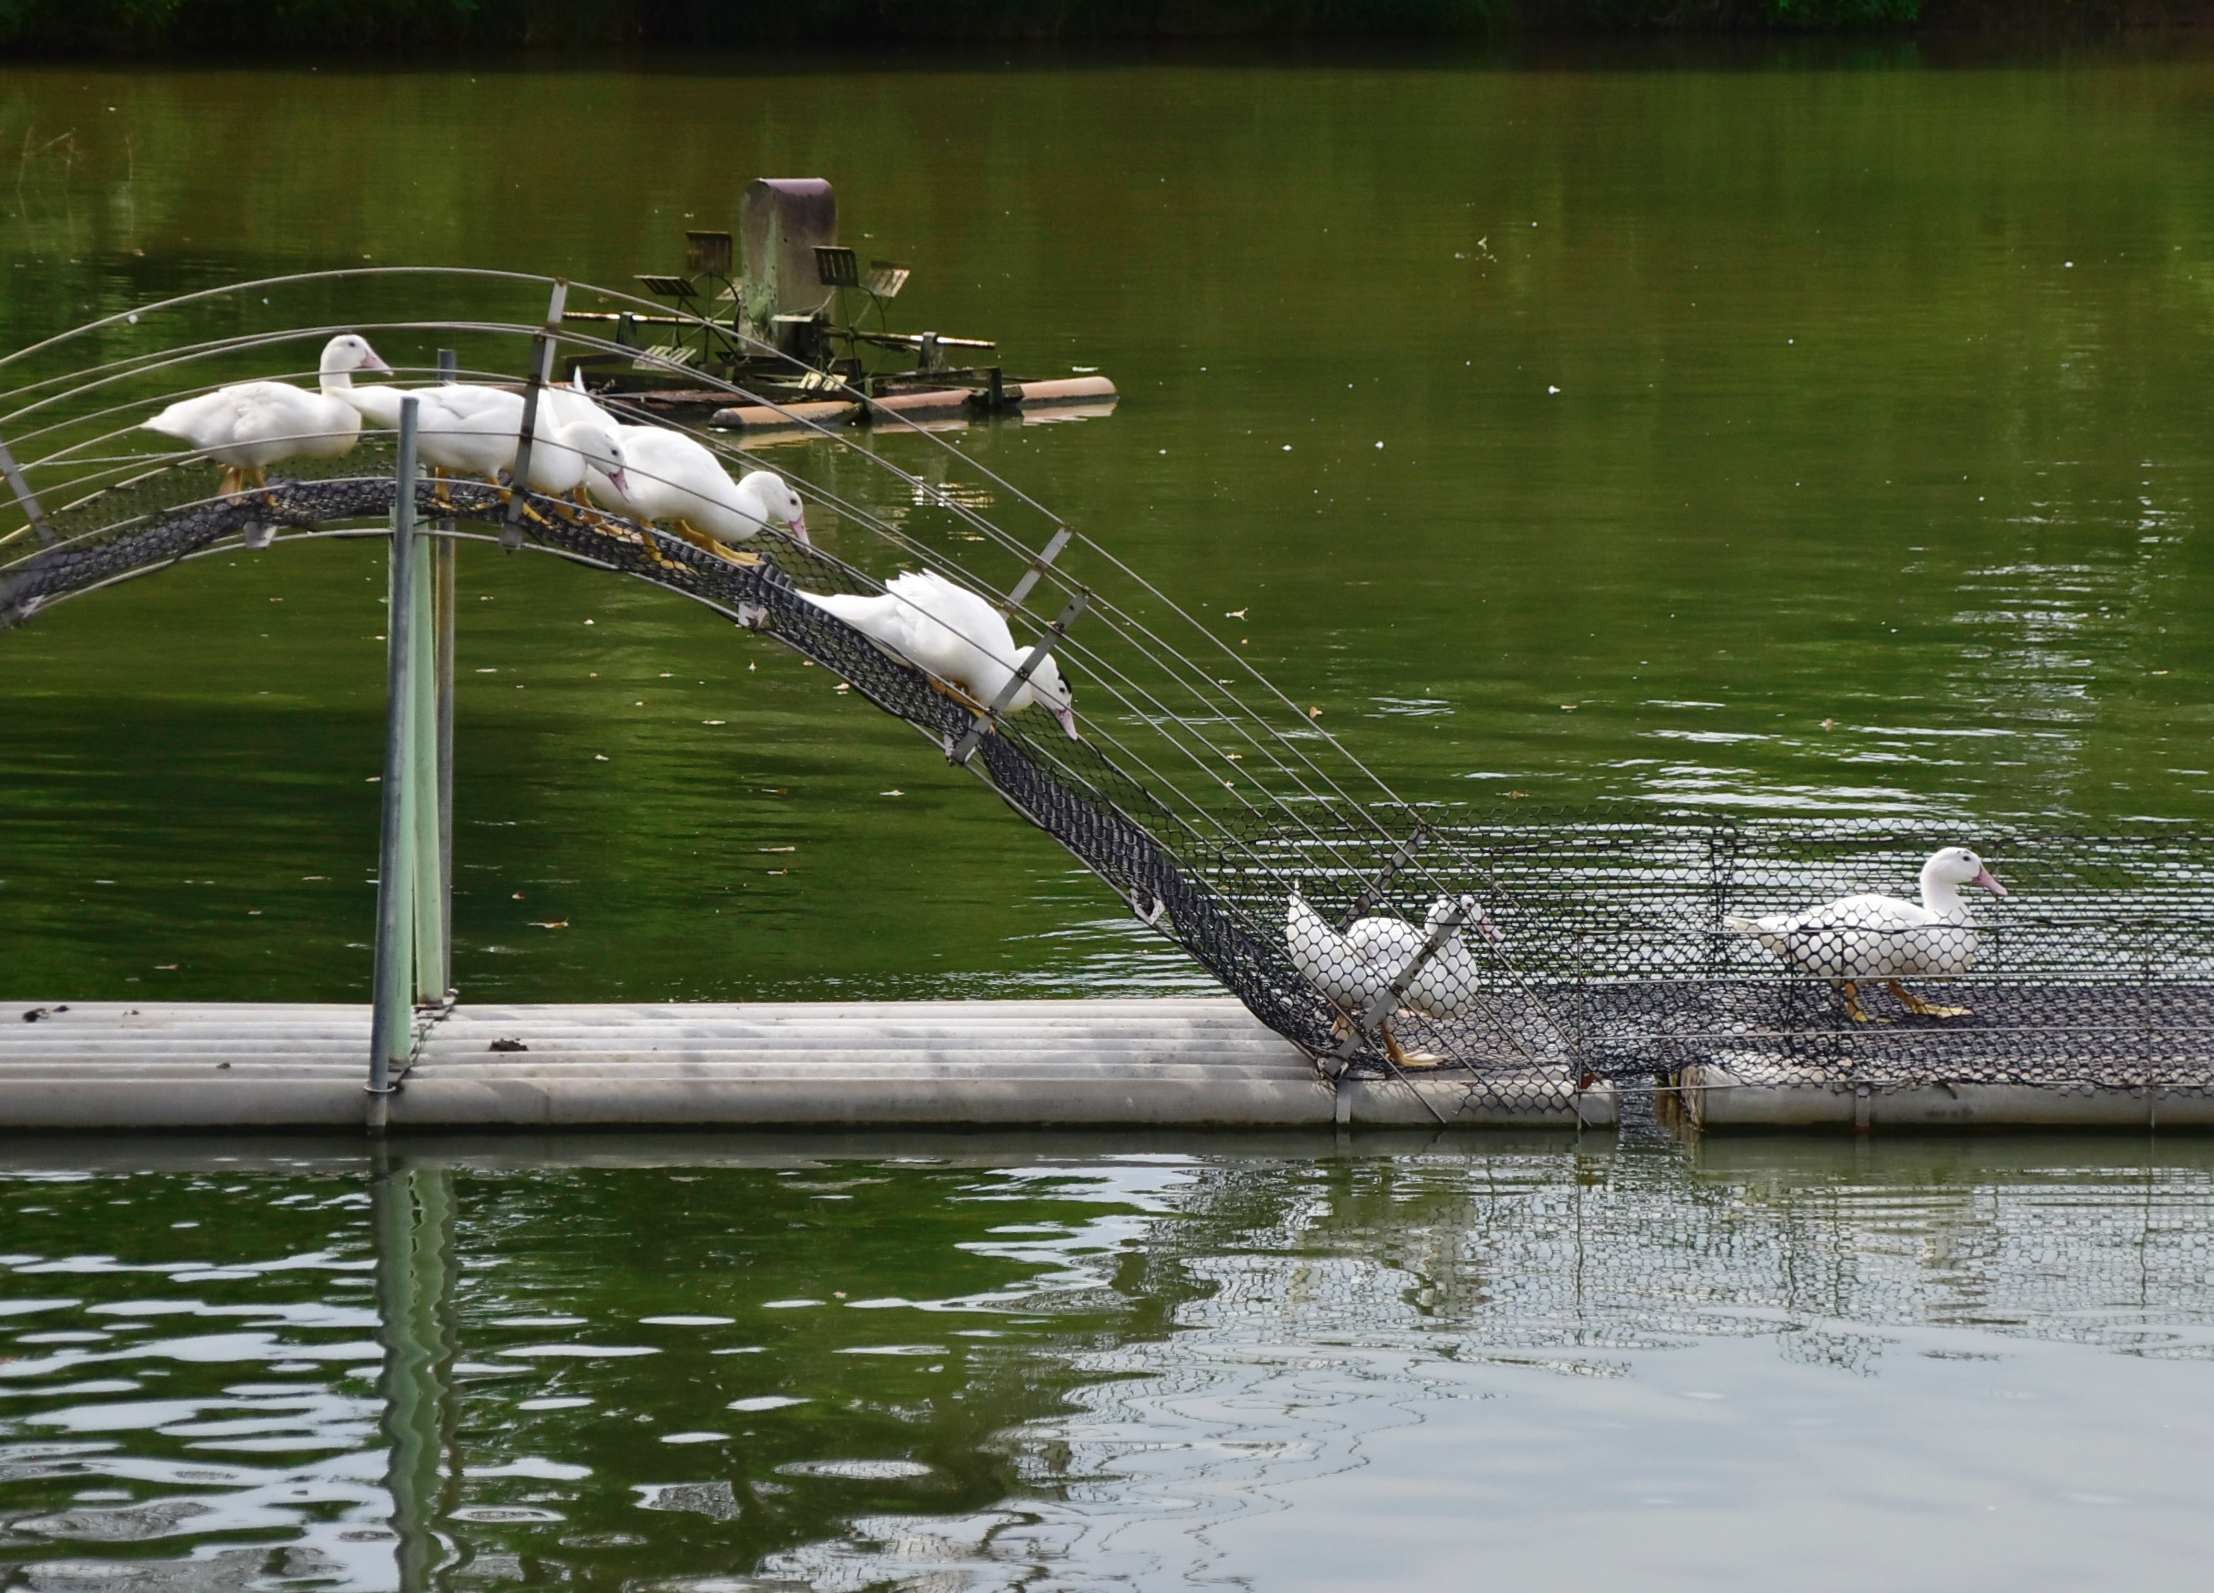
[961, 751]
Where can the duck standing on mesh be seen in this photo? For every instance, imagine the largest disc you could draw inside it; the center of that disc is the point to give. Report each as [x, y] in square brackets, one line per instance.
[956, 638]
[1355, 968]
[249, 426]
[1858, 938]
[676, 480]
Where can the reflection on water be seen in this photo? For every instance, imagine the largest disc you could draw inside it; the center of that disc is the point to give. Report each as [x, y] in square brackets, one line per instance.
[990, 1363]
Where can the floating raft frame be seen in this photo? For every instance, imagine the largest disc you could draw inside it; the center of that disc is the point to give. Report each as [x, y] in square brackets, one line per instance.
[1782, 1096]
[1202, 1062]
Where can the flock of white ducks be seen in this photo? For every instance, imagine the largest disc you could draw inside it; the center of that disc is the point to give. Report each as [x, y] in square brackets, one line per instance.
[650, 474]
[656, 476]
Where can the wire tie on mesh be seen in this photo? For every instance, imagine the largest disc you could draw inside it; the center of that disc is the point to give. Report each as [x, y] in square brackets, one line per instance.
[964, 749]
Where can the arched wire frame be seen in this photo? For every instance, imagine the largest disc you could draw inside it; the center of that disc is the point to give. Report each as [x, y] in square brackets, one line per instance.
[1517, 957]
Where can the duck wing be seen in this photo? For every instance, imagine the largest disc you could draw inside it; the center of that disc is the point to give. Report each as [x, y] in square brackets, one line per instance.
[1327, 959]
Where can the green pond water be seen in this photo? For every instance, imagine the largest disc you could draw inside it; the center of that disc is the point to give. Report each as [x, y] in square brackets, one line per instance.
[991, 1363]
[1802, 435]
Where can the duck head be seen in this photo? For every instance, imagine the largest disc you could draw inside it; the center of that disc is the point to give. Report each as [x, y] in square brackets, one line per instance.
[602, 450]
[1054, 692]
[1956, 866]
[1472, 915]
[779, 503]
[347, 353]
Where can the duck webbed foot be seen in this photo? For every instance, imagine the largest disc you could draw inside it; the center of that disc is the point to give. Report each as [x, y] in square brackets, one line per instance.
[946, 688]
[1853, 1009]
[1926, 1009]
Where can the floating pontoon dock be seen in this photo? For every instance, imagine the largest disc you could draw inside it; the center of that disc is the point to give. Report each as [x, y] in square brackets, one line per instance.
[1154, 1063]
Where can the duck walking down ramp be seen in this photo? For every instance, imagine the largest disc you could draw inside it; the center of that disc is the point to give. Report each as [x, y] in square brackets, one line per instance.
[1387, 963]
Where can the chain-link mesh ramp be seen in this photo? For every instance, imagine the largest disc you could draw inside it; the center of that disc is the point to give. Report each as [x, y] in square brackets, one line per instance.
[1521, 953]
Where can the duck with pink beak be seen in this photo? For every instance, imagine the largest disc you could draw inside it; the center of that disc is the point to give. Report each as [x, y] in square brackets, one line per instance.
[1859, 938]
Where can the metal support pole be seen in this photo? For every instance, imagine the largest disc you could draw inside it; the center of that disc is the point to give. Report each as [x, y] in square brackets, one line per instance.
[389, 1039]
[1038, 566]
[541, 372]
[443, 606]
[961, 751]
[429, 892]
[13, 475]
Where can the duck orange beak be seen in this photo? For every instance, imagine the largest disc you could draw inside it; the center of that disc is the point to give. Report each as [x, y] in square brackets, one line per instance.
[1989, 882]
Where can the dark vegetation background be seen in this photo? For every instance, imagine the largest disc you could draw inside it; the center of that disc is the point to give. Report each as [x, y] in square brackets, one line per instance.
[423, 26]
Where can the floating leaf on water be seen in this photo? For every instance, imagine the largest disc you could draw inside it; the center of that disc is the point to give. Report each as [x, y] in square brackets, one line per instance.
[895, 791]
[1234, 613]
[776, 848]
[549, 923]
[1313, 712]
[1829, 724]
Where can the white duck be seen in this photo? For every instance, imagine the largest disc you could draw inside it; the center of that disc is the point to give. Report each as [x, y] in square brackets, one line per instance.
[474, 430]
[380, 404]
[1881, 937]
[1355, 968]
[956, 637]
[250, 426]
[678, 479]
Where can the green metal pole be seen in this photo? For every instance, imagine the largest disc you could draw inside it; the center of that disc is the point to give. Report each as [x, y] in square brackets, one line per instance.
[445, 609]
[390, 1039]
[429, 888]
